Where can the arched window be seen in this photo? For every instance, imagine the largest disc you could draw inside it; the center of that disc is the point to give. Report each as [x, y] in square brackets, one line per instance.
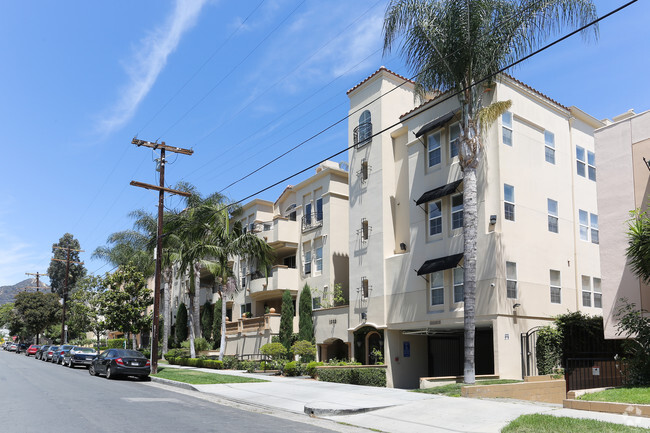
[363, 132]
[290, 212]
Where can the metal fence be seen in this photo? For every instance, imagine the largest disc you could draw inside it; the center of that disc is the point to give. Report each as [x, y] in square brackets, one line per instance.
[586, 373]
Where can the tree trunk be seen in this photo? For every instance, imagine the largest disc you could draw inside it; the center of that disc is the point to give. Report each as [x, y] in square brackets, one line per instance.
[191, 316]
[222, 347]
[167, 317]
[197, 300]
[470, 224]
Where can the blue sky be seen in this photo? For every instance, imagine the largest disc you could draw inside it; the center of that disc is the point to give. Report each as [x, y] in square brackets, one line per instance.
[238, 82]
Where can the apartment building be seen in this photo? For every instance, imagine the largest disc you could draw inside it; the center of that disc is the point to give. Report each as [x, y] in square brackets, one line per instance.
[538, 233]
[307, 228]
[624, 143]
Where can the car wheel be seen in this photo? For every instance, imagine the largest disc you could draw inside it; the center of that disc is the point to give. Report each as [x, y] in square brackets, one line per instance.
[70, 364]
[109, 373]
[92, 371]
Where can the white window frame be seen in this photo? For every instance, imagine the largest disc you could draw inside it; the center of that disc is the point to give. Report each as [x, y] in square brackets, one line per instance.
[454, 140]
[434, 148]
[459, 284]
[511, 280]
[591, 165]
[581, 161]
[318, 265]
[556, 286]
[319, 213]
[549, 147]
[508, 205]
[436, 288]
[583, 225]
[586, 291]
[598, 292]
[506, 129]
[594, 233]
[307, 262]
[456, 212]
[430, 219]
[553, 220]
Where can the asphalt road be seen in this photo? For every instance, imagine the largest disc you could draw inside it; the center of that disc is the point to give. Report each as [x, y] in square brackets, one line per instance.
[37, 396]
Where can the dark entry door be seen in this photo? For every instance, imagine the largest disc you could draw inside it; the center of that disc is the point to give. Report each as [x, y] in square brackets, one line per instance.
[446, 353]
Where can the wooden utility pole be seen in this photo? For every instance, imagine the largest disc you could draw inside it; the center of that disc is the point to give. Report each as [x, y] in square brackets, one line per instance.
[38, 275]
[64, 334]
[161, 201]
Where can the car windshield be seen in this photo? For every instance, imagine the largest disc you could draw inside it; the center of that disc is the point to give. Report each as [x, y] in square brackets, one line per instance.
[130, 354]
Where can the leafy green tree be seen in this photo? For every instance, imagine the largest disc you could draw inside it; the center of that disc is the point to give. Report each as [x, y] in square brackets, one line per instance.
[460, 46]
[56, 270]
[206, 321]
[274, 350]
[126, 300]
[181, 323]
[305, 319]
[37, 311]
[6, 314]
[634, 324]
[86, 306]
[216, 323]
[638, 250]
[304, 349]
[286, 320]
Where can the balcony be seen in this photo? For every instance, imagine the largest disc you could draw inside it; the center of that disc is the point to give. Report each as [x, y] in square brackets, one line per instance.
[362, 134]
[280, 279]
[256, 325]
[282, 232]
[312, 221]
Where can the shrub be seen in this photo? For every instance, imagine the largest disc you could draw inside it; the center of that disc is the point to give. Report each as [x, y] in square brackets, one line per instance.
[634, 324]
[286, 320]
[249, 366]
[305, 349]
[354, 376]
[311, 370]
[291, 369]
[230, 363]
[201, 344]
[116, 343]
[547, 348]
[213, 363]
[274, 350]
[174, 353]
[305, 319]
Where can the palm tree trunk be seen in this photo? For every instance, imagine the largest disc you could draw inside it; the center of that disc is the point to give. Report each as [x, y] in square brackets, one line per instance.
[197, 299]
[191, 314]
[470, 222]
[222, 347]
[167, 317]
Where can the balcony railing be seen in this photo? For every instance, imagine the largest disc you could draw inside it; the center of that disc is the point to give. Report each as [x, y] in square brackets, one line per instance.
[280, 278]
[269, 322]
[312, 220]
[362, 134]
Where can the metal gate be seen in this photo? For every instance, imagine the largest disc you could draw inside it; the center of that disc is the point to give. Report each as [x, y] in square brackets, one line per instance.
[529, 352]
[587, 373]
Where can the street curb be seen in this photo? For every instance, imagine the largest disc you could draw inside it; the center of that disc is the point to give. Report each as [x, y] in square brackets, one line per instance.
[313, 409]
[173, 383]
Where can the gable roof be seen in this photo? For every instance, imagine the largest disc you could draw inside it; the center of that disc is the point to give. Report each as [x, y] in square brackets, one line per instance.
[382, 68]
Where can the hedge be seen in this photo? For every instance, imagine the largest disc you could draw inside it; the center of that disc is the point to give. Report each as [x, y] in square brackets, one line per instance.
[116, 343]
[196, 362]
[354, 375]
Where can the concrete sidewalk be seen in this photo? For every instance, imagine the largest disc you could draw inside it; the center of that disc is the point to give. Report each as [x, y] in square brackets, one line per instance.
[388, 409]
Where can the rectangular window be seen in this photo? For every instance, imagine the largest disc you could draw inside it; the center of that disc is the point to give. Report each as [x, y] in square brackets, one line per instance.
[308, 214]
[580, 161]
[511, 280]
[459, 284]
[319, 259]
[583, 220]
[245, 308]
[319, 209]
[437, 288]
[552, 216]
[307, 262]
[591, 165]
[364, 170]
[593, 219]
[315, 303]
[506, 130]
[586, 291]
[365, 287]
[454, 139]
[549, 147]
[598, 293]
[556, 287]
[365, 229]
[435, 218]
[289, 262]
[243, 276]
[457, 211]
[434, 149]
[509, 201]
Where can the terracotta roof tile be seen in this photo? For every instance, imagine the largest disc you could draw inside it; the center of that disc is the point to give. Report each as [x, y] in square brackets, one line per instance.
[382, 68]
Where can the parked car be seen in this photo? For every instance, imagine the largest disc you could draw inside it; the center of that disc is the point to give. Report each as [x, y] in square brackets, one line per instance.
[12, 347]
[115, 362]
[41, 350]
[79, 356]
[21, 348]
[50, 353]
[57, 358]
[5, 345]
[31, 350]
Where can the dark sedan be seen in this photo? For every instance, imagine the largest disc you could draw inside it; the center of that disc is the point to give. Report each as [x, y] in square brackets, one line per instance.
[60, 353]
[48, 356]
[42, 351]
[79, 356]
[115, 362]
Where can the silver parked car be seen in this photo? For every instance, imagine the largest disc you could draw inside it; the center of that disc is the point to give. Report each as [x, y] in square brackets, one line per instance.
[79, 356]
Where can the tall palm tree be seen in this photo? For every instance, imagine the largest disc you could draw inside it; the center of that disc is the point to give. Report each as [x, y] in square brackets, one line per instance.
[455, 45]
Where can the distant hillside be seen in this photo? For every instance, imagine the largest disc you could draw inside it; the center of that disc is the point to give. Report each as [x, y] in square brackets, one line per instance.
[7, 293]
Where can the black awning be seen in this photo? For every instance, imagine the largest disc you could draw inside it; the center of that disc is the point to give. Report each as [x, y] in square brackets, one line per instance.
[436, 123]
[441, 191]
[442, 263]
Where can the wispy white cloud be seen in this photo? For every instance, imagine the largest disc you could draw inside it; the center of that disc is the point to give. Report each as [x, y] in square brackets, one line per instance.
[18, 257]
[148, 60]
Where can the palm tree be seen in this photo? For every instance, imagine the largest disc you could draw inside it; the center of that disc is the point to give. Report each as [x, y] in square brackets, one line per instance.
[638, 250]
[457, 45]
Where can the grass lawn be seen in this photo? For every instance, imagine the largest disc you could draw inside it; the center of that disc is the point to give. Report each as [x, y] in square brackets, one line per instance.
[620, 395]
[201, 378]
[453, 389]
[551, 424]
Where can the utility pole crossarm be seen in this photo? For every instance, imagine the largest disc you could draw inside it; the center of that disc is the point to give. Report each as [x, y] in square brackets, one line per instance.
[68, 261]
[159, 188]
[162, 145]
